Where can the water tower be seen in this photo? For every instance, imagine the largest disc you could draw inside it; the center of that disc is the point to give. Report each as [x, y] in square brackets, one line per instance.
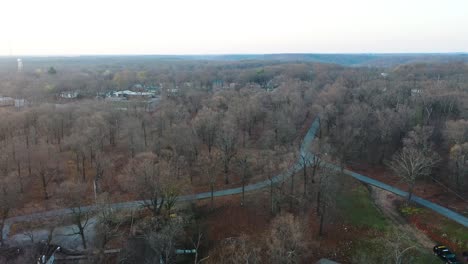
[20, 65]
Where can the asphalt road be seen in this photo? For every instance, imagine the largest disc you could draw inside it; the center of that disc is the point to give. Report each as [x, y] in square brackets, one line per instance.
[306, 142]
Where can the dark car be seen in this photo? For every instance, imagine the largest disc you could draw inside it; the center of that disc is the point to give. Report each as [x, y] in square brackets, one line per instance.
[445, 254]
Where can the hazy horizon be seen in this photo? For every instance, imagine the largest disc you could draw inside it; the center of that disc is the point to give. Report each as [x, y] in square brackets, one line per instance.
[208, 27]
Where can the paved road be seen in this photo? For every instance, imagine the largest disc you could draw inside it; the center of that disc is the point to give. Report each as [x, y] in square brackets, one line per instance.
[306, 142]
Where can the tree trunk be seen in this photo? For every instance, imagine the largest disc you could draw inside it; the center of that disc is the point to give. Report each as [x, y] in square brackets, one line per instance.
[77, 159]
[243, 193]
[271, 197]
[143, 124]
[20, 177]
[158, 212]
[318, 202]
[29, 164]
[319, 193]
[226, 170]
[410, 192]
[212, 194]
[83, 173]
[44, 185]
[2, 225]
[82, 235]
[321, 225]
[305, 179]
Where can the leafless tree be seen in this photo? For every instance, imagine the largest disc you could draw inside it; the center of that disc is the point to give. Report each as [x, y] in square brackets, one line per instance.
[207, 123]
[73, 197]
[8, 201]
[245, 171]
[286, 242]
[329, 187]
[398, 244]
[150, 178]
[416, 159]
[411, 164]
[234, 250]
[227, 143]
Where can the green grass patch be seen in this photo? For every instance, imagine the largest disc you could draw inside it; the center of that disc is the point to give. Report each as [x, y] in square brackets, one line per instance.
[359, 210]
[455, 232]
[378, 251]
[410, 210]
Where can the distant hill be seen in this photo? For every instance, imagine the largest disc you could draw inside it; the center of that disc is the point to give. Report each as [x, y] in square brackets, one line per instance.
[366, 60]
[379, 60]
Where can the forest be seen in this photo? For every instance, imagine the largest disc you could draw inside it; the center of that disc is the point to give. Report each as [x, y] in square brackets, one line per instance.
[81, 136]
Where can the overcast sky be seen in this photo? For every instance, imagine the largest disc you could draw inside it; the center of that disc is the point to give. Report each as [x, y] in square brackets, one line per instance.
[71, 27]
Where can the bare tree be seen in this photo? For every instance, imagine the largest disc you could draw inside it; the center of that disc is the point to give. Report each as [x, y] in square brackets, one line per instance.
[196, 244]
[305, 162]
[207, 123]
[149, 177]
[73, 196]
[245, 171]
[163, 242]
[227, 143]
[459, 164]
[398, 245]
[47, 167]
[286, 242]
[8, 201]
[210, 164]
[235, 250]
[101, 165]
[108, 225]
[328, 188]
[411, 164]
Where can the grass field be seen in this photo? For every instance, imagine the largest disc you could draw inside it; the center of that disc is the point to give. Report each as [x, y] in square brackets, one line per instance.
[360, 211]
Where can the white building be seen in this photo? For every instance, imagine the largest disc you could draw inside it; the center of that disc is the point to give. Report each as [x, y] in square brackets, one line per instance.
[20, 65]
[69, 94]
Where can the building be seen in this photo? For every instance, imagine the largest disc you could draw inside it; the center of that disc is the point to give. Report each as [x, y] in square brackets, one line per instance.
[128, 93]
[415, 92]
[7, 101]
[69, 94]
[20, 65]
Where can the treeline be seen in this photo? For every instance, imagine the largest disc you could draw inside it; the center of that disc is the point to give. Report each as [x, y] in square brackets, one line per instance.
[197, 138]
[368, 122]
[210, 133]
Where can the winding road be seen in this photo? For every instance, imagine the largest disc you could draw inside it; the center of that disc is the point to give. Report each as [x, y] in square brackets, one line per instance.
[306, 143]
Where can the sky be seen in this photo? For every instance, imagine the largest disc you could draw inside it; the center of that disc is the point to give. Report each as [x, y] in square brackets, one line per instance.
[83, 27]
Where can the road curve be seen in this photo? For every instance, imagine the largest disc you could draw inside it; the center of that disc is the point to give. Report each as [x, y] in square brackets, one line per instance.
[304, 150]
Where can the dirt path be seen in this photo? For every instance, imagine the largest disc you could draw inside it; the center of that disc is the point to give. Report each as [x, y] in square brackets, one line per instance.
[385, 201]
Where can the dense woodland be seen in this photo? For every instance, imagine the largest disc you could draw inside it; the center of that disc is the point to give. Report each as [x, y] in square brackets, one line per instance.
[226, 125]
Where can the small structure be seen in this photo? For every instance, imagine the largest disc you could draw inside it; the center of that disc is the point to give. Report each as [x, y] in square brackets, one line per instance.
[20, 103]
[7, 101]
[69, 94]
[415, 92]
[172, 91]
[128, 93]
[20, 65]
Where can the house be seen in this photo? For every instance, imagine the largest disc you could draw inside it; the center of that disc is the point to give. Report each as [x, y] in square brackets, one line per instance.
[69, 94]
[128, 93]
[20, 103]
[7, 101]
[415, 92]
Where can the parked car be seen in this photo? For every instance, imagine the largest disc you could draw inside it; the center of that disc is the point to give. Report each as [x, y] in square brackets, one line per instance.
[445, 254]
